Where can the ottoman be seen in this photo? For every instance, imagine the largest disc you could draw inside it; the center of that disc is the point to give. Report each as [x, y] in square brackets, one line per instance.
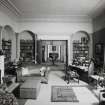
[30, 89]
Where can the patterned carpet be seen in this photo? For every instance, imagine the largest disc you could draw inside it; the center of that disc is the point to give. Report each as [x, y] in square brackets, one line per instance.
[63, 94]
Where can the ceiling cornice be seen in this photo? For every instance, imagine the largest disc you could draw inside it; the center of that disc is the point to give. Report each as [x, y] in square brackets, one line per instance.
[10, 6]
[58, 19]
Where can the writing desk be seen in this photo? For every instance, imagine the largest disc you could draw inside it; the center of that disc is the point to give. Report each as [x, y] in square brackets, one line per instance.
[83, 68]
[82, 71]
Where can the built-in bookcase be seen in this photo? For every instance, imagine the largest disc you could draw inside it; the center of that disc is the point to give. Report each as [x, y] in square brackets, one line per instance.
[6, 47]
[26, 50]
[80, 53]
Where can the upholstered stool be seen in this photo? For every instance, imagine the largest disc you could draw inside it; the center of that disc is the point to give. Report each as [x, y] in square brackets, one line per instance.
[30, 89]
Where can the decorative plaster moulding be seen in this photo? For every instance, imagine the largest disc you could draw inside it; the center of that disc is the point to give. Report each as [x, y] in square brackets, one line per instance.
[57, 19]
[10, 6]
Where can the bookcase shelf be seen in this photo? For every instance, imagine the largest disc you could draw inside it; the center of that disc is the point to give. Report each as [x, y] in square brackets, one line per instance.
[6, 47]
[80, 53]
[26, 50]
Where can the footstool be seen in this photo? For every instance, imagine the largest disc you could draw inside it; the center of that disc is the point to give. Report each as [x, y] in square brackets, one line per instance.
[30, 89]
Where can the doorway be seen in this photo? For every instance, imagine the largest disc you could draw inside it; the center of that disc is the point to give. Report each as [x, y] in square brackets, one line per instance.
[43, 53]
[58, 47]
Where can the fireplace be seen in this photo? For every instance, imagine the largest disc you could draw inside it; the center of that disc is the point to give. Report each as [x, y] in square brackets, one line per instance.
[53, 56]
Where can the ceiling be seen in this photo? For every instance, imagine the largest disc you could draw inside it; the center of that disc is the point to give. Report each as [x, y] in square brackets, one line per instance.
[54, 8]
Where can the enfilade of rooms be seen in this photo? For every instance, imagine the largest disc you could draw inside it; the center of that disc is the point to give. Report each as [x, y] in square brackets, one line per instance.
[52, 52]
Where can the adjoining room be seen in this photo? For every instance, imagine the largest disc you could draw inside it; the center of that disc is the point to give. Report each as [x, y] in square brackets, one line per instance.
[52, 52]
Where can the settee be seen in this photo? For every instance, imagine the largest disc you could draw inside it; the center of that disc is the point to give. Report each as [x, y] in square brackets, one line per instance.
[30, 83]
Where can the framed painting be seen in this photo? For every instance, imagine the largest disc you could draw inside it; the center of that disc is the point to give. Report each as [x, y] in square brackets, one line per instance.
[53, 48]
[99, 48]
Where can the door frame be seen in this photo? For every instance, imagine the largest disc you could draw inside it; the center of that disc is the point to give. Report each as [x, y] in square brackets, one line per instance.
[65, 45]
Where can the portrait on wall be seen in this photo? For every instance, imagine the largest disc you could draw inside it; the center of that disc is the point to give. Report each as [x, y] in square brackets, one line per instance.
[99, 48]
[53, 48]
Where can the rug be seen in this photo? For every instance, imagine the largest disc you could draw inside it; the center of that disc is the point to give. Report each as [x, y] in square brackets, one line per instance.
[63, 94]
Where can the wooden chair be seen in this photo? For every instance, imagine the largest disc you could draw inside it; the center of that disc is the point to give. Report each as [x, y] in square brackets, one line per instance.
[71, 73]
[65, 71]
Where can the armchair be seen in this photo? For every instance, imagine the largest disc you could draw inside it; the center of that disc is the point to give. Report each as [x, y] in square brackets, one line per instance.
[71, 74]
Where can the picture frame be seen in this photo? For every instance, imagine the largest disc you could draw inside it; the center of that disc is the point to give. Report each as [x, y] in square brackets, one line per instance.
[99, 48]
[53, 48]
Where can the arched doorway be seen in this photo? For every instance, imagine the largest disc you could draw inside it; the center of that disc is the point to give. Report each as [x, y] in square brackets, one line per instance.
[48, 48]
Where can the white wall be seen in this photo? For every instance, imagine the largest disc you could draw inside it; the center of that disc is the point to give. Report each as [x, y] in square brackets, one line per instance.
[8, 18]
[56, 30]
[55, 27]
[5, 19]
[25, 35]
[9, 34]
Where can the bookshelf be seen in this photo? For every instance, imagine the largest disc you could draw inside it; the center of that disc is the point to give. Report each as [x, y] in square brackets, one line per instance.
[80, 53]
[26, 50]
[6, 47]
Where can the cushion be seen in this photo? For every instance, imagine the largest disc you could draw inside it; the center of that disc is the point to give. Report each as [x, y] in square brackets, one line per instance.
[25, 71]
[42, 70]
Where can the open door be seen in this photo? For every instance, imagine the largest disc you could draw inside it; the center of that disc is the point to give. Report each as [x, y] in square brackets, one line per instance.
[39, 51]
[66, 52]
[43, 53]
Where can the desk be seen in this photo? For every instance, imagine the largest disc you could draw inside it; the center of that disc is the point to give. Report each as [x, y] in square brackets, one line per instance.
[83, 68]
[82, 71]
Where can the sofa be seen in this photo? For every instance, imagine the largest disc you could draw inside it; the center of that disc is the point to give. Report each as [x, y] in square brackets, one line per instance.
[30, 83]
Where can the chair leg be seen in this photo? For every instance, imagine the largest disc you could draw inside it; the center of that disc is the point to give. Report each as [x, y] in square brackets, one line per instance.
[78, 80]
[68, 80]
[65, 78]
